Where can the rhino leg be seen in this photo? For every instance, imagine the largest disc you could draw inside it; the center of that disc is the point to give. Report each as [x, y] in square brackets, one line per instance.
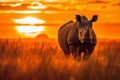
[88, 53]
[73, 50]
[78, 53]
[67, 53]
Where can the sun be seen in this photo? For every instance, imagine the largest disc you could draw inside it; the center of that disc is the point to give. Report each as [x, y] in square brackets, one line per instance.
[30, 31]
[29, 20]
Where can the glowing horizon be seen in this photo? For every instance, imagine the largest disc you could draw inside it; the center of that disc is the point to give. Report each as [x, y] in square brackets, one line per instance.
[30, 31]
[29, 20]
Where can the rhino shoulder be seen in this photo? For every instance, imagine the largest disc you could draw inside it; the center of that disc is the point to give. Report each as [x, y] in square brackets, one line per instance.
[66, 24]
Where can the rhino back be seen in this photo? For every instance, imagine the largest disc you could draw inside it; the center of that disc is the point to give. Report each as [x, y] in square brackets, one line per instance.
[63, 34]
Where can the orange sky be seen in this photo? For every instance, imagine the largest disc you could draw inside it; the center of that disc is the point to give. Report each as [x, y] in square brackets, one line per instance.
[107, 26]
[59, 0]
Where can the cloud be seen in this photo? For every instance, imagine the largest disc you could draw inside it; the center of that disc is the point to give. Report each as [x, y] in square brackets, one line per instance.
[11, 0]
[116, 4]
[99, 1]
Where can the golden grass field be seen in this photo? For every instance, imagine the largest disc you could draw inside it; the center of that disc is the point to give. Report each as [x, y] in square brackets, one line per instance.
[31, 59]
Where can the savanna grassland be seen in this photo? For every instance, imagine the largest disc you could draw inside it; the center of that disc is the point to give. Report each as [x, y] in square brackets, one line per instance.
[31, 59]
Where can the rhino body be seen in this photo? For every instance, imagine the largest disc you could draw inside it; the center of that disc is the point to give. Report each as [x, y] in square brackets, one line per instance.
[74, 38]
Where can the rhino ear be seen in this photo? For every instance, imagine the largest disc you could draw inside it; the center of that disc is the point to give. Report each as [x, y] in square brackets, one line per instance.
[78, 18]
[94, 18]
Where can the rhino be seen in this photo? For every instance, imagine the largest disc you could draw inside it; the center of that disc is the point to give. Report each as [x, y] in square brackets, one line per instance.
[78, 37]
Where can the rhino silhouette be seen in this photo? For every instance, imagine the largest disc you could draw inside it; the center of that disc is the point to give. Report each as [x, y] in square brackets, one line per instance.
[77, 37]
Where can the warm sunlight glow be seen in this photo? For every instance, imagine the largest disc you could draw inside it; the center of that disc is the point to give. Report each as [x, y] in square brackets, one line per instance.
[29, 20]
[15, 5]
[30, 31]
[37, 5]
[21, 11]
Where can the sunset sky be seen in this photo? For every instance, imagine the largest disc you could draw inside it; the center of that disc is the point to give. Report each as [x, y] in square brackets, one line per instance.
[58, 0]
[52, 16]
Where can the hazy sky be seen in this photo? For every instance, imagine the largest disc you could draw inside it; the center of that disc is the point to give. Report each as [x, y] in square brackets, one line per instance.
[58, 0]
[107, 26]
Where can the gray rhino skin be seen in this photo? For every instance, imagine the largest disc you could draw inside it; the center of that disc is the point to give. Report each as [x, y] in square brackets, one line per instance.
[77, 37]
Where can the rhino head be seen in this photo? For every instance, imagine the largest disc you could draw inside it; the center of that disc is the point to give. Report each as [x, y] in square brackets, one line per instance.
[84, 29]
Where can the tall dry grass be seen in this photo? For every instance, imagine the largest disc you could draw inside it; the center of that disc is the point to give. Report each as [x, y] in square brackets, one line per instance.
[44, 60]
